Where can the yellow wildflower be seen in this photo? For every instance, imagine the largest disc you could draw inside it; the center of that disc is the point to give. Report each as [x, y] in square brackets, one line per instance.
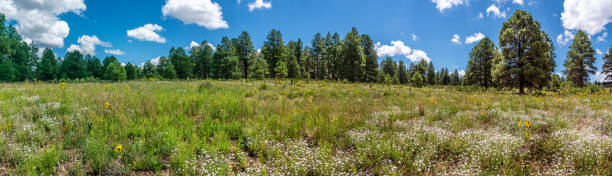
[118, 148]
[519, 124]
[527, 134]
[62, 85]
[107, 105]
[527, 123]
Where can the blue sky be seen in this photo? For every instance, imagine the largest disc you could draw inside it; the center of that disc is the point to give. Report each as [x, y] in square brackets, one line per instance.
[423, 27]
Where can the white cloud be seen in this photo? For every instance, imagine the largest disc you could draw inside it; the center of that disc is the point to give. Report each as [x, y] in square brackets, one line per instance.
[154, 61]
[414, 37]
[114, 52]
[38, 20]
[398, 48]
[200, 12]
[148, 32]
[589, 15]
[480, 15]
[87, 45]
[602, 37]
[446, 4]
[598, 52]
[519, 2]
[565, 38]
[461, 73]
[493, 9]
[474, 38]
[192, 44]
[600, 77]
[259, 4]
[456, 39]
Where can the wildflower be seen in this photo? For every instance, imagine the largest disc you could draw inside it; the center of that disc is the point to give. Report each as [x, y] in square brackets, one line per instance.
[527, 123]
[217, 120]
[107, 105]
[264, 127]
[62, 85]
[310, 100]
[432, 100]
[118, 148]
[519, 124]
[527, 134]
[335, 118]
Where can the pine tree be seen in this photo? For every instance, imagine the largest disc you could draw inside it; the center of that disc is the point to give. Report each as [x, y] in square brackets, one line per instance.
[417, 80]
[481, 63]
[607, 66]
[131, 71]
[273, 50]
[259, 69]
[580, 60]
[94, 67]
[431, 74]
[202, 57]
[352, 60]
[182, 63]
[244, 49]
[47, 68]
[291, 58]
[224, 63]
[371, 66]
[526, 53]
[389, 67]
[401, 73]
[73, 66]
[316, 52]
[149, 70]
[165, 68]
[115, 72]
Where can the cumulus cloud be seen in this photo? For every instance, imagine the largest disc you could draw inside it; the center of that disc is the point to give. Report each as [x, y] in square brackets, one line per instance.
[519, 2]
[589, 15]
[441, 5]
[601, 77]
[456, 39]
[480, 15]
[398, 48]
[493, 9]
[38, 20]
[148, 32]
[414, 37]
[565, 38]
[203, 13]
[87, 45]
[154, 61]
[474, 38]
[114, 52]
[602, 37]
[461, 73]
[194, 44]
[598, 52]
[259, 4]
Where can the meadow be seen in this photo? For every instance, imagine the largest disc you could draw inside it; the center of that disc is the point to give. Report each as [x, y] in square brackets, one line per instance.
[278, 127]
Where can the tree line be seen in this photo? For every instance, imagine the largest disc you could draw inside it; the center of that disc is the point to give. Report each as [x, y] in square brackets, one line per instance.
[526, 58]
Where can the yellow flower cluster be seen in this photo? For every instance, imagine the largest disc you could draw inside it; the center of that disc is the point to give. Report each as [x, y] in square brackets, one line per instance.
[4, 127]
[62, 85]
[527, 124]
[107, 105]
[118, 148]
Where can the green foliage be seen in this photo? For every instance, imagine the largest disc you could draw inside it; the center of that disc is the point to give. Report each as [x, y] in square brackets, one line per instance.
[526, 53]
[47, 69]
[115, 72]
[183, 65]
[166, 68]
[580, 60]
[73, 66]
[353, 60]
[607, 66]
[417, 80]
[244, 50]
[481, 63]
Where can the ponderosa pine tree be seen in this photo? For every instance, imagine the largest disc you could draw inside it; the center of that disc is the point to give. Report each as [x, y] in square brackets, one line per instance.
[607, 66]
[73, 66]
[401, 73]
[94, 66]
[131, 71]
[431, 74]
[165, 68]
[417, 80]
[389, 67]
[371, 65]
[202, 57]
[316, 52]
[352, 60]
[526, 53]
[224, 63]
[182, 63]
[47, 68]
[580, 60]
[481, 63]
[293, 66]
[273, 50]
[244, 49]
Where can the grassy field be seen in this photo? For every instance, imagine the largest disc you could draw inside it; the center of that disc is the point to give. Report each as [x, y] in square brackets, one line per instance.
[304, 128]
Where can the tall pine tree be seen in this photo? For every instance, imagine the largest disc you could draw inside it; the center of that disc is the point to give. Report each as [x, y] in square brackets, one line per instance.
[580, 60]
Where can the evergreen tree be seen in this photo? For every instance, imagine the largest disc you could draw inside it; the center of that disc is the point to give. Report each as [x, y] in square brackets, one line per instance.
[526, 53]
[401, 73]
[224, 62]
[131, 71]
[149, 70]
[281, 70]
[431, 74]
[371, 66]
[259, 69]
[580, 60]
[417, 80]
[316, 52]
[183, 65]
[115, 72]
[455, 78]
[273, 50]
[165, 68]
[481, 63]
[607, 66]
[352, 60]
[244, 49]
[202, 57]
[94, 66]
[7, 71]
[47, 68]
[389, 67]
[73, 66]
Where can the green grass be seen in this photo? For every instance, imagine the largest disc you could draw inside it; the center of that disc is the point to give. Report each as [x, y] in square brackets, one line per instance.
[306, 128]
